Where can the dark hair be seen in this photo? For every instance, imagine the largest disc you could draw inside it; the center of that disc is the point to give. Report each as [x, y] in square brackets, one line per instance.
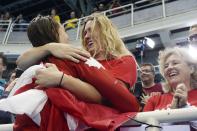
[43, 30]
[4, 59]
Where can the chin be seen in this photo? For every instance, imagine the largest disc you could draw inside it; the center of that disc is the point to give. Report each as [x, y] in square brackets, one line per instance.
[174, 84]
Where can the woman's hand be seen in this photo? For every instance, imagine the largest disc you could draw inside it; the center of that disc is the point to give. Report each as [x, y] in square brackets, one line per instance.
[180, 96]
[49, 76]
[66, 51]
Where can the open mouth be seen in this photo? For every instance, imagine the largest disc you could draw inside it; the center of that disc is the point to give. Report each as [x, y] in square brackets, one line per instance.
[172, 74]
[90, 43]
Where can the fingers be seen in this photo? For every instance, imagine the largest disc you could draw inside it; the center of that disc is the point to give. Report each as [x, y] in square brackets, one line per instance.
[83, 53]
[182, 87]
[180, 95]
[79, 57]
[71, 58]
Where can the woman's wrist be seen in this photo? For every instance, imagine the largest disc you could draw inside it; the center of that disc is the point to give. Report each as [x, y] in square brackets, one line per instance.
[61, 79]
[48, 48]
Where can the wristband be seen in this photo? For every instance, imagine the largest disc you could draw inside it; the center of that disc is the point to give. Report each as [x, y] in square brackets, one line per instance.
[60, 83]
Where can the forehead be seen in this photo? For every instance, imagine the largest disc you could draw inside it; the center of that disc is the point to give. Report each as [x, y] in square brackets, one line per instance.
[88, 24]
[173, 57]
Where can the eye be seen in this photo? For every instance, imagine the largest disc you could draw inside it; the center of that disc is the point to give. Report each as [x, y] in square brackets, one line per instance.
[175, 62]
[84, 33]
[165, 66]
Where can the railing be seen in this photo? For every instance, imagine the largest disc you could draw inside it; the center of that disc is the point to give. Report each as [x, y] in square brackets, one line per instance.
[123, 17]
[153, 118]
[4, 30]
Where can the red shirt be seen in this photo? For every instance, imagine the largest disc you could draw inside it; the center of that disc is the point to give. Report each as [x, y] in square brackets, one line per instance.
[160, 102]
[93, 115]
[156, 88]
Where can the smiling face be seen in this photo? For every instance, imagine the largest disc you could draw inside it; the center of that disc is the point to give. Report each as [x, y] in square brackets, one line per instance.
[147, 75]
[176, 71]
[92, 39]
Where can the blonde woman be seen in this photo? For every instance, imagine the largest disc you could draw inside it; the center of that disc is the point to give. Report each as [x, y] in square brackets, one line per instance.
[179, 71]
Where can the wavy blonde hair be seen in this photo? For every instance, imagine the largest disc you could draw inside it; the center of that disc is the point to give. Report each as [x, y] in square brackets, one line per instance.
[111, 43]
[182, 53]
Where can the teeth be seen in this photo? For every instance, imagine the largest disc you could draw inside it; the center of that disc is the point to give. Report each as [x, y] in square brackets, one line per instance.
[172, 74]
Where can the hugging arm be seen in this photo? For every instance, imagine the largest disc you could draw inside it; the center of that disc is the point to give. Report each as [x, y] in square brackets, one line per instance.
[64, 51]
[51, 76]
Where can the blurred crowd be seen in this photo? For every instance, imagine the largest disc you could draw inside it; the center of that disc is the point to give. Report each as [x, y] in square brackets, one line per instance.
[86, 7]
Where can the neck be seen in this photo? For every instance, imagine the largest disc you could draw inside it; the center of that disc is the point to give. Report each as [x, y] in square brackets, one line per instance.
[148, 84]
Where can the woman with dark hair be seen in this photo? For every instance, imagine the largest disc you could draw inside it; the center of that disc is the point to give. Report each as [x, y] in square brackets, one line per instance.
[118, 68]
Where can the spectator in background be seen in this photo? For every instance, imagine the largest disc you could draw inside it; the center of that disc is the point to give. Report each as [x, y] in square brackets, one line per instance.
[55, 16]
[101, 7]
[193, 34]
[3, 63]
[147, 87]
[179, 70]
[5, 117]
[1, 18]
[7, 16]
[115, 4]
[72, 22]
[20, 20]
[193, 41]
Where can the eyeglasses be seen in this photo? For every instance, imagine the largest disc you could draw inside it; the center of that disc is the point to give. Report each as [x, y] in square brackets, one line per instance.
[146, 71]
[193, 37]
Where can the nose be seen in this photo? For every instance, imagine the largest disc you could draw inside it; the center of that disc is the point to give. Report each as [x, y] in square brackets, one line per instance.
[87, 35]
[169, 67]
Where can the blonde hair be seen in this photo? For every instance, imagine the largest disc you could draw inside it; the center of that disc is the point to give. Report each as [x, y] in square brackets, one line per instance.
[111, 43]
[182, 53]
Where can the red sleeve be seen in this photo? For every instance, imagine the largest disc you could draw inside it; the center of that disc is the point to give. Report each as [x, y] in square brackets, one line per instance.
[103, 81]
[125, 69]
[109, 87]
